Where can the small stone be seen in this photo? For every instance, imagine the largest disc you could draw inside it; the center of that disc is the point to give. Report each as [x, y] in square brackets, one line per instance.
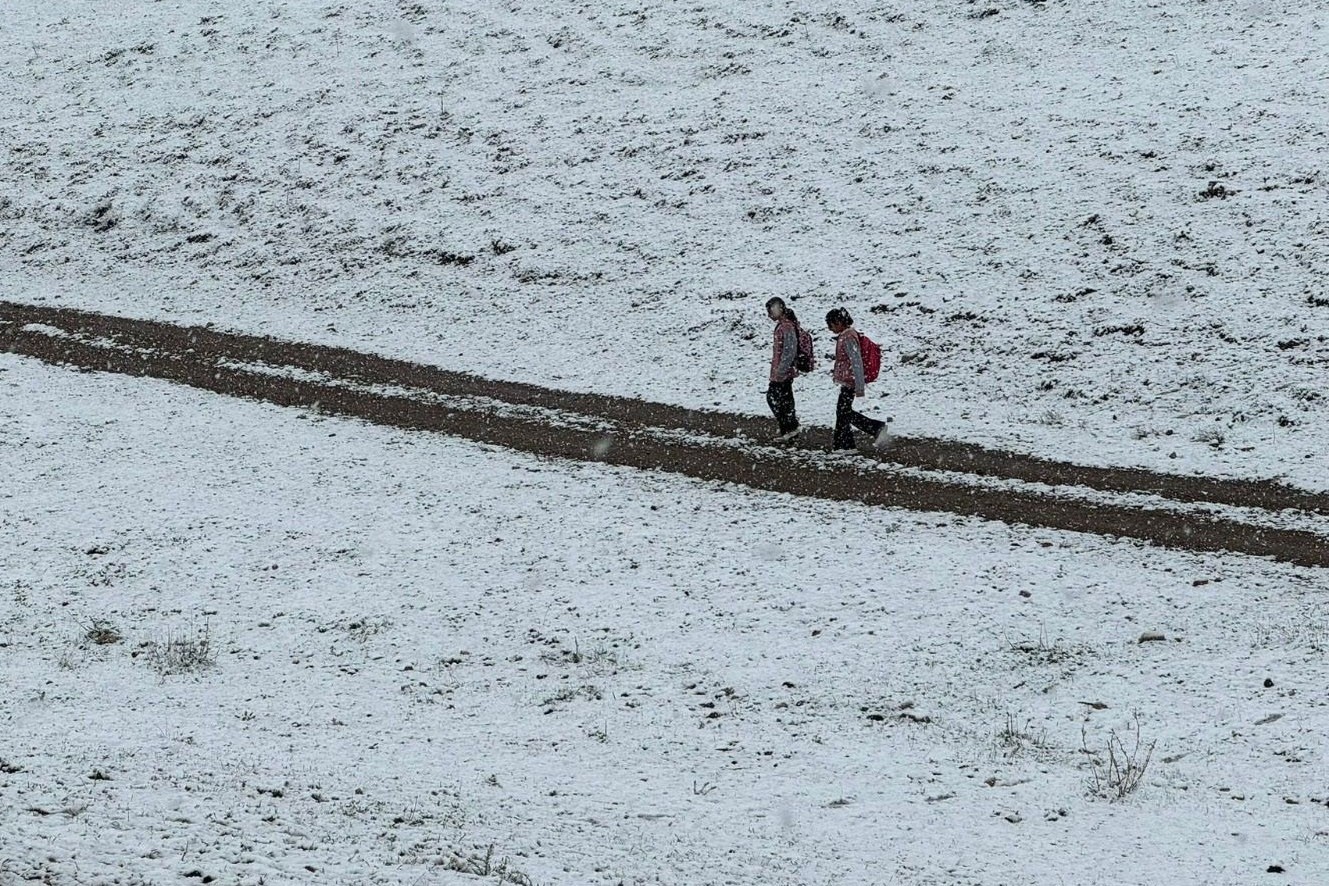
[1274, 869]
[1268, 683]
[1026, 593]
[1151, 636]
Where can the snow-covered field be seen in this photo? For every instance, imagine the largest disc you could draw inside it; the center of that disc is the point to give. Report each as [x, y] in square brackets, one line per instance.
[1093, 230]
[337, 653]
[422, 648]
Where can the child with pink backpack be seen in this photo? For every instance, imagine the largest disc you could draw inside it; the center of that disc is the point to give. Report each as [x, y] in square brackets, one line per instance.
[857, 363]
[791, 355]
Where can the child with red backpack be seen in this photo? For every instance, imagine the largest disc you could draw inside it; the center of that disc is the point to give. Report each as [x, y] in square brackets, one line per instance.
[857, 362]
[791, 355]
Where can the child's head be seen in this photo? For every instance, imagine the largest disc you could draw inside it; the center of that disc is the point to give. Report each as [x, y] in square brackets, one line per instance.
[838, 320]
[775, 308]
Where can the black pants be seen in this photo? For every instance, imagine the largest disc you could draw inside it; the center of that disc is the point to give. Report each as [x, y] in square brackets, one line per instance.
[780, 397]
[846, 419]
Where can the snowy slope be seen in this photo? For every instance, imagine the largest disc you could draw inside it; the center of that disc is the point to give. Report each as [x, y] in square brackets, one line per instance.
[1091, 230]
[425, 648]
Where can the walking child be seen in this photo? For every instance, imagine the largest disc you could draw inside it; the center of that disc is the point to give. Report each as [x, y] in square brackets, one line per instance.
[852, 377]
[784, 358]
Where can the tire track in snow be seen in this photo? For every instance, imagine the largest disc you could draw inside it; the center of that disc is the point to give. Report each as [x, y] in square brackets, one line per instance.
[913, 452]
[343, 382]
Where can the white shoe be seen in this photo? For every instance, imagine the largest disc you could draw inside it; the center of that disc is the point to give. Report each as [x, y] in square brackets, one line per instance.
[789, 435]
[883, 438]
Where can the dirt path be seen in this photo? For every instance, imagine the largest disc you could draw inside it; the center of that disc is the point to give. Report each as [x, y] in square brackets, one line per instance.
[706, 445]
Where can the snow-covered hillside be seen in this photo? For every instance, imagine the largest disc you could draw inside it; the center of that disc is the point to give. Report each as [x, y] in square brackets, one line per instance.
[423, 648]
[1093, 230]
[241, 643]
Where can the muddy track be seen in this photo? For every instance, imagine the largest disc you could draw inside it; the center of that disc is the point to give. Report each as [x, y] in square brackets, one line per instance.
[254, 367]
[914, 452]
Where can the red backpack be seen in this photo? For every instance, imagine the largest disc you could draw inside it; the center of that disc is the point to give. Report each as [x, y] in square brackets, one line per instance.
[806, 361]
[871, 352]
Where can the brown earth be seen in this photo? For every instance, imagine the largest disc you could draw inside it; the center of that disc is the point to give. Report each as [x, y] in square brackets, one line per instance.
[199, 357]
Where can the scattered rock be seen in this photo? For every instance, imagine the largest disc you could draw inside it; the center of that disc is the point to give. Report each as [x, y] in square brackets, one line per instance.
[1268, 683]
[1130, 329]
[1274, 869]
[1151, 636]
[1269, 719]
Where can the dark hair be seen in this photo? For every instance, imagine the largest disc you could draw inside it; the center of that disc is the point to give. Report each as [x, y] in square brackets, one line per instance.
[839, 315]
[788, 311]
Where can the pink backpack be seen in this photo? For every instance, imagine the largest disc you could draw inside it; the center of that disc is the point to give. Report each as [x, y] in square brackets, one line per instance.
[806, 361]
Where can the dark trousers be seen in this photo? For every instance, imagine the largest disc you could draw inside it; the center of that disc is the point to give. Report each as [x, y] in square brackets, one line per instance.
[846, 419]
[780, 397]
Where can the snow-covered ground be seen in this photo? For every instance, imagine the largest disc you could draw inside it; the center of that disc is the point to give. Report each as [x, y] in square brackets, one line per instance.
[1090, 230]
[1093, 231]
[424, 648]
